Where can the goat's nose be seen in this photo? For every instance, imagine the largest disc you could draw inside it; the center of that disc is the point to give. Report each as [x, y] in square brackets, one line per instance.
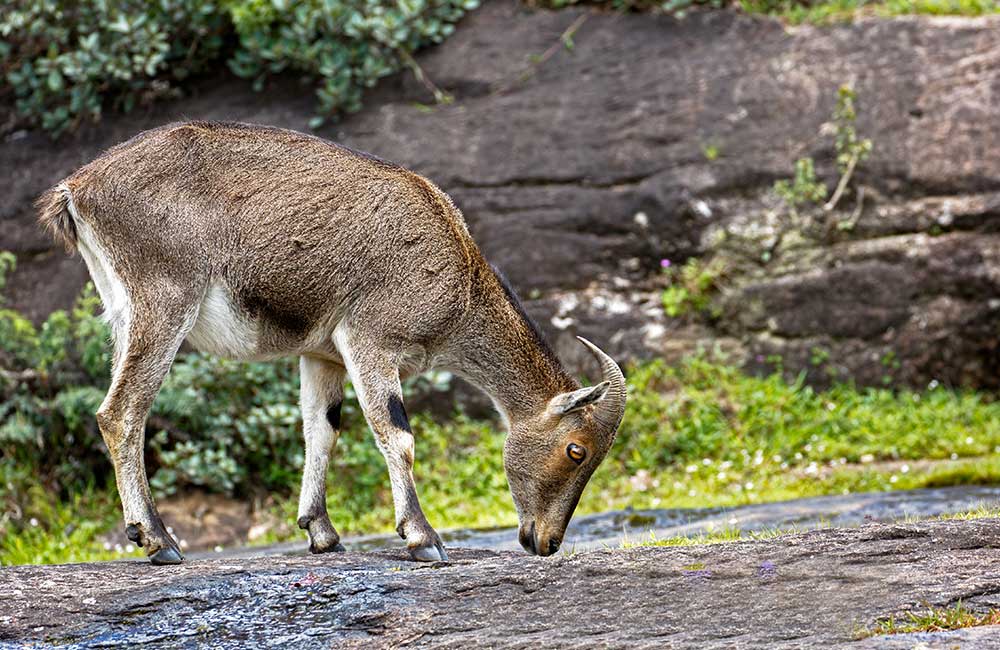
[554, 545]
[527, 539]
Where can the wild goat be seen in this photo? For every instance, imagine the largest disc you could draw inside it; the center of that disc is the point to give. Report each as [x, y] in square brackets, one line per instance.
[253, 242]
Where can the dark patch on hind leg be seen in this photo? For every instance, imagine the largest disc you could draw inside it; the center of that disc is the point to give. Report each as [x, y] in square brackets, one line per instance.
[397, 413]
[333, 415]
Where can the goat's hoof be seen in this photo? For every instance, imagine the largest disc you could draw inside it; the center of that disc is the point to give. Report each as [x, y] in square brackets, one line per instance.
[430, 552]
[166, 555]
[322, 536]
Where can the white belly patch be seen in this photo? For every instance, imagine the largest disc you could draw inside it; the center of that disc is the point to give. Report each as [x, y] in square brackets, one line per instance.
[221, 329]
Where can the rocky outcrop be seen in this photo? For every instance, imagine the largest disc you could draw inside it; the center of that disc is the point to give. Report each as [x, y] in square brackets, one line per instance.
[818, 589]
[658, 138]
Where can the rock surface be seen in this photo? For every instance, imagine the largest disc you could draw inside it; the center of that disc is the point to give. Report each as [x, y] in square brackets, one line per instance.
[817, 589]
[578, 175]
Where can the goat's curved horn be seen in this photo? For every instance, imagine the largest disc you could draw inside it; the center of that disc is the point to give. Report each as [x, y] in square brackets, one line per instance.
[611, 409]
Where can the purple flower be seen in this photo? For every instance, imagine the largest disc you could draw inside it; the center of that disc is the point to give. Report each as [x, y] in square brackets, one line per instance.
[767, 569]
[664, 264]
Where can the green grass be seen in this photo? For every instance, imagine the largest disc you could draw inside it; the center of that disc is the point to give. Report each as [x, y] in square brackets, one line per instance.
[723, 536]
[932, 619]
[832, 11]
[701, 434]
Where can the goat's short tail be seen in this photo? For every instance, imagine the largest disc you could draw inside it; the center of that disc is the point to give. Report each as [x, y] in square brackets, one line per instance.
[56, 214]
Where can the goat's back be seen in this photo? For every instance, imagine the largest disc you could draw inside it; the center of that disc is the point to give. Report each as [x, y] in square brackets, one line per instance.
[301, 231]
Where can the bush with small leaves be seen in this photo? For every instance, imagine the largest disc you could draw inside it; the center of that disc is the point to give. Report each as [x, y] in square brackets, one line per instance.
[347, 46]
[65, 62]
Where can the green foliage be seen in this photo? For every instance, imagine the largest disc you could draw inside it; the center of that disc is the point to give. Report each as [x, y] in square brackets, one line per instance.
[663, 6]
[830, 11]
[348, 46]
[933, 619]
[700, 434]
[692, 287]
[850, 149]
[66, 62]
[804, 188]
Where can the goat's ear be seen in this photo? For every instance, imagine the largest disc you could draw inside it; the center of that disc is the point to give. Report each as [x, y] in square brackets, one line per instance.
[573, 401]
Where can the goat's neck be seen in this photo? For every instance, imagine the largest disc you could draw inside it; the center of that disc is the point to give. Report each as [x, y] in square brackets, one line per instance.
[498, 350]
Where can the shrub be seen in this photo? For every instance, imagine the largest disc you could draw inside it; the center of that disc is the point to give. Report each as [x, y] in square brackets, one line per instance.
[692, 287]
[348, 46]
[66, 61]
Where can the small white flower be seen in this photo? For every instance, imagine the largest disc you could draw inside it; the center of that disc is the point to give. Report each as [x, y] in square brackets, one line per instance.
[893, 478]
[129, 548]
[691, 469]
[706, 461]
[905, 468]
[218, 549]
[748, 485]
[721, 476]
[692, 493]
[867, 458]
[954, 456]
[970, 440]
[733, 521]
[33, 522]
[798, 455]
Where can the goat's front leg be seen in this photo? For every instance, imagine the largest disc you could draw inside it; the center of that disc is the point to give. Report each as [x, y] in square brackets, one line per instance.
[322, 388]
[376, 382]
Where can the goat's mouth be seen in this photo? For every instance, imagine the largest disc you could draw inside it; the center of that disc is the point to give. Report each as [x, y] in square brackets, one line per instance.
[529, 538]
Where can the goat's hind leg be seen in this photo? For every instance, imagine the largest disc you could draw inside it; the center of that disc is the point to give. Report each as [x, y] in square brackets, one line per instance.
[143, 355]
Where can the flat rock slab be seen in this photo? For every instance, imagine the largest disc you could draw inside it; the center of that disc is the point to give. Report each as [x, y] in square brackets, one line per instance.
[797, 591]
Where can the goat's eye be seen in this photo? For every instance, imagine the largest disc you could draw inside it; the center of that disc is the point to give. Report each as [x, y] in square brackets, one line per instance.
[576, 453]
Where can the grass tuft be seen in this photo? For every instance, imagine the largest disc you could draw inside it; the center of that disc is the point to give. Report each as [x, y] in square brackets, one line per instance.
[932, 619]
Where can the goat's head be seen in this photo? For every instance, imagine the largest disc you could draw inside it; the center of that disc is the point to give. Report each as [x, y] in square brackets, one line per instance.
[550, 457]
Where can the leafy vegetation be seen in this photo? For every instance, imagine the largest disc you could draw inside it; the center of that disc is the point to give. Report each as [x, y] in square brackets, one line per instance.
[804, 188]
[933, 619]
[66, 62]
[832, 11]
[664, 6]
[691, 286]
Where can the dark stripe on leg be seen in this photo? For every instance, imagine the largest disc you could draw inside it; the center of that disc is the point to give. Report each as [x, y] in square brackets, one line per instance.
[397, 414]
[333, 415]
